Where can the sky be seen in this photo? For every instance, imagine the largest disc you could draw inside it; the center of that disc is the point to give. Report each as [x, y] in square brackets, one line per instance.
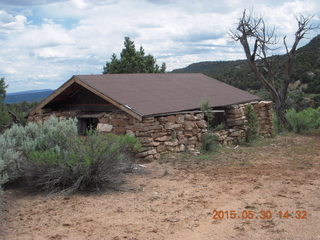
[43, 43]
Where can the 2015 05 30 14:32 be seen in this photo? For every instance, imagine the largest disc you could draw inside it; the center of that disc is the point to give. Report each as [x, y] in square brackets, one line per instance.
[263, 214]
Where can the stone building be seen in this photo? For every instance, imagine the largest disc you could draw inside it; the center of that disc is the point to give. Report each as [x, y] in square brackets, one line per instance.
[162, 110]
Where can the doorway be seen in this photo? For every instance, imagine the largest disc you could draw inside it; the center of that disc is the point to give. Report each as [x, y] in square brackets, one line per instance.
[86, 124]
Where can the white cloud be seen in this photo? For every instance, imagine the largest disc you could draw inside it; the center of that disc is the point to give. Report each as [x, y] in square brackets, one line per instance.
[42, 36]
[28, 2]
[49, 43]
[80, 4]
[10, 23]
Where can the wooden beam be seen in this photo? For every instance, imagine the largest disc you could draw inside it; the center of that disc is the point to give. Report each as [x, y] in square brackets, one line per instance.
[118, 105]
[88, 108]
[53, 95]
[97, 115]
[87, 104]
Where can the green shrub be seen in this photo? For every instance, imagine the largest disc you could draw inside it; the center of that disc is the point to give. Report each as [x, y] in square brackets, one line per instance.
[90, 163]
[277, 127]
[316, 100]
[18, 141]
[208, 115]
[5, 118]
[304, 121]
[209, 142]
[219, 127]
[3, 175]
[52, 157]
[128, 143]
[252, 131]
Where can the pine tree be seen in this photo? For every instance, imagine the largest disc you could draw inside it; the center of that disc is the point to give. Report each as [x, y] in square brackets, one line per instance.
[3, 87]
[133, 61]
[5, 118]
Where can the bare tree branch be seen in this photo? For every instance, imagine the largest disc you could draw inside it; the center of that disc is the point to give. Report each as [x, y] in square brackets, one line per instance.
[253, 30]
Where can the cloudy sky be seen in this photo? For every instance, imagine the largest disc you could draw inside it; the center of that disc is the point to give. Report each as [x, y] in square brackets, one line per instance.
[44, 42]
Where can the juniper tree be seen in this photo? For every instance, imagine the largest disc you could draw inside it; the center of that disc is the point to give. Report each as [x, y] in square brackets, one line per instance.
[252, 131]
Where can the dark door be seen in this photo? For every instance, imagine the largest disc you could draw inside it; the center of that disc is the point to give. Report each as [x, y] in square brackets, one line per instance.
[85, 124]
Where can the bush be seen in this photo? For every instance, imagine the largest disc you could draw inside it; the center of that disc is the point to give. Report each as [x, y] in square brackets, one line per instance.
[316, 100]
[304, 121]
[128, 143]
[89, 164]
[51, 157]
[219, 127]
[252, 131]
[208, 114]
[277, 127]
[5, 118]
[209, 142]
[3, 176]
[18, 141]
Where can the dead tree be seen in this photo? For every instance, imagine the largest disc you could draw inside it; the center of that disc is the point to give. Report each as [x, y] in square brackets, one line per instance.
[257, 40]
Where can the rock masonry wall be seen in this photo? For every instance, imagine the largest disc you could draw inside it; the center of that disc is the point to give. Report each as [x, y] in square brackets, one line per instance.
[179, 132]
[236, 122]
[44, 116]
[158, 135]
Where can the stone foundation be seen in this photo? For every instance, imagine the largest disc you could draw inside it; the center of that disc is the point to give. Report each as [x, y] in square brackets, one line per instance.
[178, 132]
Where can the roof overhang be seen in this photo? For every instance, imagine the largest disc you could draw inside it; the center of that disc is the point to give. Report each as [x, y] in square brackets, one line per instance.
[144, 95]
[74, 79]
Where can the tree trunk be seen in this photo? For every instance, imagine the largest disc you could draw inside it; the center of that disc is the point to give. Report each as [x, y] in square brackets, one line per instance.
[280, 111]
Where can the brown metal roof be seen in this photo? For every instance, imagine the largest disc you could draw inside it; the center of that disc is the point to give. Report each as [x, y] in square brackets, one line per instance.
[152, 94]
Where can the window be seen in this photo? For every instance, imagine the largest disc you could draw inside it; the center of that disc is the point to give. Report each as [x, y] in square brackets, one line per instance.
[218, 120]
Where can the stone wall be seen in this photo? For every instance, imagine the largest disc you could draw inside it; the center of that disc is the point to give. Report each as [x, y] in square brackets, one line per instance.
[236, 122]
[43, 116]
[158, 135]
[179, 132]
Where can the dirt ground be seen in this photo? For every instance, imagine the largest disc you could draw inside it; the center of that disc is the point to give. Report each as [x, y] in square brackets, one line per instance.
[175, 198]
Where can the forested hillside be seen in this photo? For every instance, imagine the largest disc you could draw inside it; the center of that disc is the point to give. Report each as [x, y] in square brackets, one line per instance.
[237, 73]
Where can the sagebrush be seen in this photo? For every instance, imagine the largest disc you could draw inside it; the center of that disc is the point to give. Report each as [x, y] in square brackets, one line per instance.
[303, 121]
[18, 141]
[3, 175]
[50, 156]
